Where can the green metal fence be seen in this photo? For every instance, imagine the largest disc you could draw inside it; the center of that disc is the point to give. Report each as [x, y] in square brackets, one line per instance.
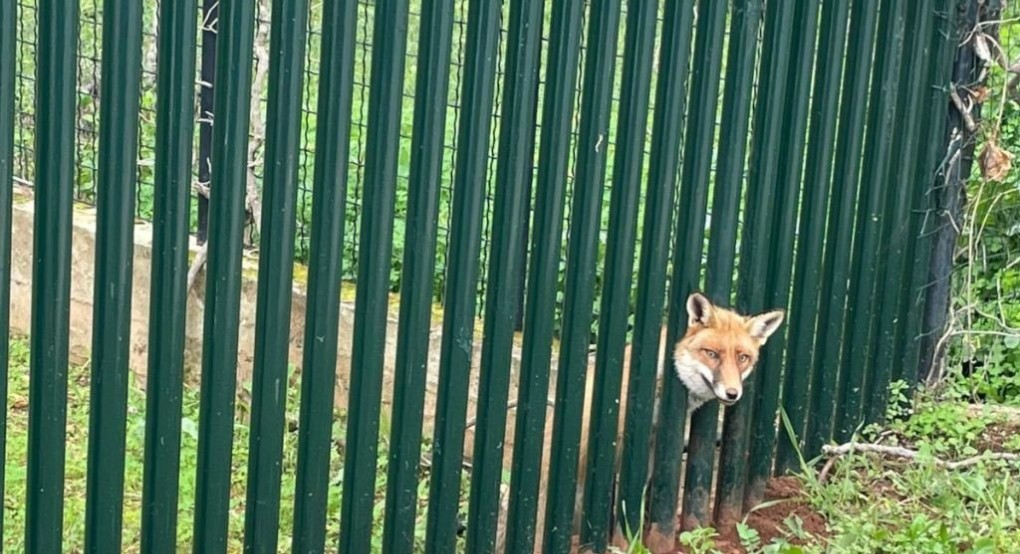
[620, 155]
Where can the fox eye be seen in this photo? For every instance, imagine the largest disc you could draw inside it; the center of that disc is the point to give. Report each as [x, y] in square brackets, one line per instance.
[744, 358]
[711, 354]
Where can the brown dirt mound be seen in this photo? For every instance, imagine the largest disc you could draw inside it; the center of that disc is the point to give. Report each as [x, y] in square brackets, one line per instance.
[770, 521]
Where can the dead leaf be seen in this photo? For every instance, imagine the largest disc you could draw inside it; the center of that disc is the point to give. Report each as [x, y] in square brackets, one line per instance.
[996, 163]
[979, 94]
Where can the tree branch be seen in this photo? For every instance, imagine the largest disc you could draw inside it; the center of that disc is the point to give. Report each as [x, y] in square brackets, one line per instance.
[908, 454]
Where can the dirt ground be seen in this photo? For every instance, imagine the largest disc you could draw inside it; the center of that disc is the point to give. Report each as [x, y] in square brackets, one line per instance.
[770, 520]
[994, 437]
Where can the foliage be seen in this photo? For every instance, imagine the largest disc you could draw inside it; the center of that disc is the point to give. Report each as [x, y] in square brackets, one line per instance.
[874, 504]
[984, 346]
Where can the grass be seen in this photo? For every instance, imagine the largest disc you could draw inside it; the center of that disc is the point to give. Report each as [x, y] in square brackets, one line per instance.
[870, 504]
[875, 504]
[76, 464]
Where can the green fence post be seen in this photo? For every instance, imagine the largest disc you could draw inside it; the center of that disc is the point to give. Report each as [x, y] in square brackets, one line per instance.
[614, 314]
[948, 196]
[579, 290]
[111, 319]
[756, 246]
[857, 388]
[664, 161]
[784, 221]
[8, 19]
[744, 27]
[178, 24]
[506, 261]
[900, 184]
[913, 301]
[322, 316]
[543, 269]
[839, 231]
[694, 191]
[389, 41]
[276, 275]
[56, 72]
[876, 381]
[223, 274]
[416, 280]
[800, 377]
[476, 97]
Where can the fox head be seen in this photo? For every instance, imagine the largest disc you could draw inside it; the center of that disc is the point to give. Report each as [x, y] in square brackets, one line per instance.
[719, 350]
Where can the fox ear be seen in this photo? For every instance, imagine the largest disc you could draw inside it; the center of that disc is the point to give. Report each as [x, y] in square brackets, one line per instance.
[763, 325]
[699, 310]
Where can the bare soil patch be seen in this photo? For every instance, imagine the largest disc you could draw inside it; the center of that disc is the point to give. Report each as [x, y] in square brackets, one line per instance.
[770, 522]
[996, 435]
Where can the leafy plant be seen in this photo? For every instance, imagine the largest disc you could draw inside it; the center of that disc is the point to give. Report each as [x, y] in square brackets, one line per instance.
[700, 540]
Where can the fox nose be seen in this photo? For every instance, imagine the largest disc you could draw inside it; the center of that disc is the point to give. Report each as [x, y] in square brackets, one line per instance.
[732, 394]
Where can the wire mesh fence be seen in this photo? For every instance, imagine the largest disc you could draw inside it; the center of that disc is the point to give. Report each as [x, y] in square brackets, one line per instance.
[88, 101]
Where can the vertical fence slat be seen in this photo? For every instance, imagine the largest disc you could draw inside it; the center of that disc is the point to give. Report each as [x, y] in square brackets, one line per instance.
[322, 317]
[8, 18]
[389, 40]
[178, 23]
[784, 220]
[461, 286]
[617, 280]
[700, 137]
[877, 380]
[506, 261]
[276, 273]
[543, 269]
[800, 378]
[431, 90]
[111, 319]
[756, 242]
[928, 176]
[949, 198]
[865, 260]
[477, 97]
[912, 284]
[578, 293]
[236, 28]
[667, 135]
[665, 480]
[753, 292]
[839, 231]
[745, 23]
[901, 182]
[51, 273]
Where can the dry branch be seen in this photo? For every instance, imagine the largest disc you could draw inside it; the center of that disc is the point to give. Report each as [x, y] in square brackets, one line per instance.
[968, 119]
[908, 454]
[253, 201]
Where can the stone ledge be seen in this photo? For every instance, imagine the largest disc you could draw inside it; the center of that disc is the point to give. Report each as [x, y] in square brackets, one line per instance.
[80, 340]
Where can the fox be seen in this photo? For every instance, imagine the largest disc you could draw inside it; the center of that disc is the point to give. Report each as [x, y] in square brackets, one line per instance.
[713, 358]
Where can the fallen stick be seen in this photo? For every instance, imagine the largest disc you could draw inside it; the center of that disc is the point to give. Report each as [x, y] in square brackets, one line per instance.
[906, 453]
